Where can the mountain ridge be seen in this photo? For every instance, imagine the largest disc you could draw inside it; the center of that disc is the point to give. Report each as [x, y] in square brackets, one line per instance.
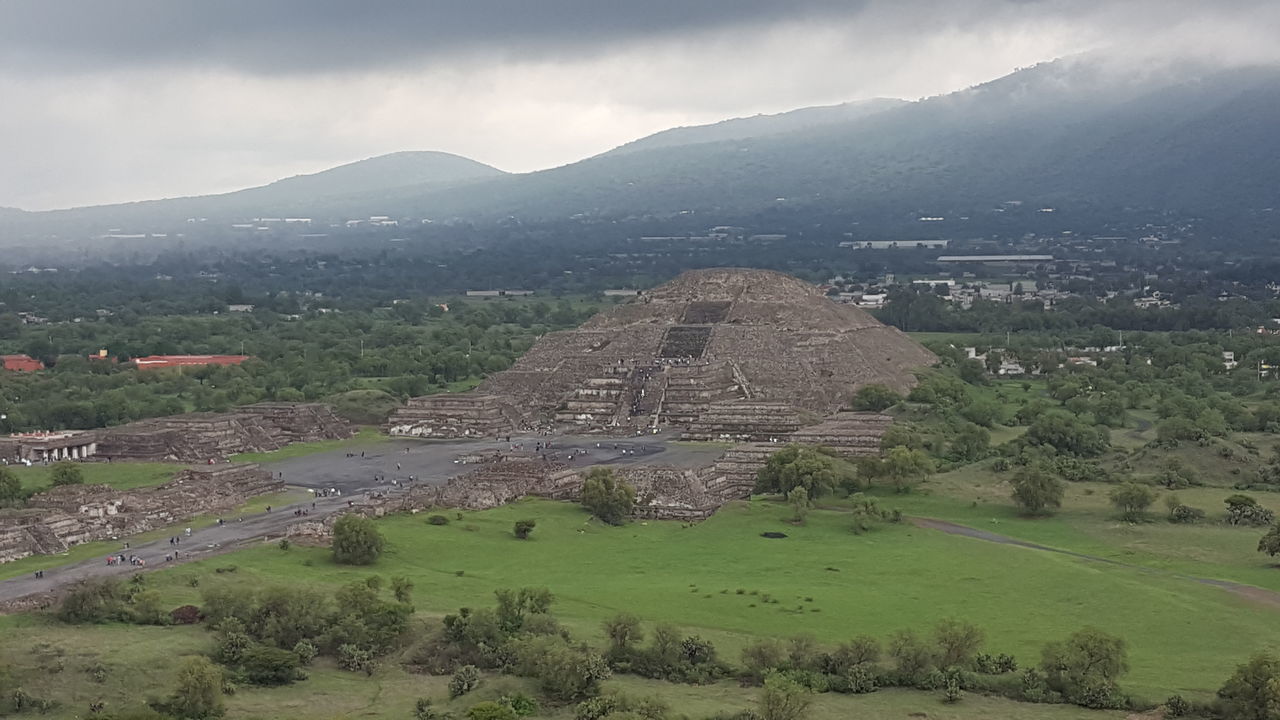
[1076, 131]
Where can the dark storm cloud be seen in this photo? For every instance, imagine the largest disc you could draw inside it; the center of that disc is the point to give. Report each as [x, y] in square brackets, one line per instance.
[267, 36]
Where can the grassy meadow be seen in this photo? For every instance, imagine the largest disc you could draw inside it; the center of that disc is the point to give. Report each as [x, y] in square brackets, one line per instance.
[119, 475]
[722, 580]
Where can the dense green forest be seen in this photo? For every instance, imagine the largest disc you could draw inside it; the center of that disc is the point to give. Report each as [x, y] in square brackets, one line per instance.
[411, 348]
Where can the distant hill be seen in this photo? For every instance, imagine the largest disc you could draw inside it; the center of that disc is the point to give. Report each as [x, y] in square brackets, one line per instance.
[385, 172]
[759, 125]
[1064, 132]
[353, 189]
[1073, 133]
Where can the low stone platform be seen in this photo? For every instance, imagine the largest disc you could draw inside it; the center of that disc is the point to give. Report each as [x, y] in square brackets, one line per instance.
[69, 515]
[455, 415]
[199, 437]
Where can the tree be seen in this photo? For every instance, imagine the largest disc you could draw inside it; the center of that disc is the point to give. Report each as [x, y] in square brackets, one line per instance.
[1067, 434]
[624, 633]
[1270, 543]
[1035, 489]
[524, 528]
[783, 699]
[818, 472]
[874, 398]
[798, 498]
[1086, 667]
[971, 443]
[606, 497]
[911, 654]
[10, 487]
[199, 691]
[402, 589]
[1132, 500]
[957, 643]
[356, 541]
[905, 467]
[1253, 691]
[66, 473]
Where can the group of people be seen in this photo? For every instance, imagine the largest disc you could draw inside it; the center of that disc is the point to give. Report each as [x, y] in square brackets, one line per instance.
[119, 559]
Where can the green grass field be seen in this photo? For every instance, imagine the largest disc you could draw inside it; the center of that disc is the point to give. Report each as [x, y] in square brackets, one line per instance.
[366, 437]
[119, 475]
[822, 580]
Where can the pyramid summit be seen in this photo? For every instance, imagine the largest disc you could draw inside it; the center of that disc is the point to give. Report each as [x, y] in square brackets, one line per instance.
[724, 353]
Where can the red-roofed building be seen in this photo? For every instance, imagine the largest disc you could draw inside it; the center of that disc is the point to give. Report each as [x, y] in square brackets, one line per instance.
[21, 363]
[153, 362]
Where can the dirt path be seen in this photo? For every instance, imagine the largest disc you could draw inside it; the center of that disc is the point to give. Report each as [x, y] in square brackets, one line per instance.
[1258, 595]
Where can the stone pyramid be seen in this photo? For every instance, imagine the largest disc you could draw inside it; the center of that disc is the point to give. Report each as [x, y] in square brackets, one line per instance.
[722, 353]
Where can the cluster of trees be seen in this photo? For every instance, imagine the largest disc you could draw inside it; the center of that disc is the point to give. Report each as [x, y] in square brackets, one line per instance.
[265, 637]
[406, 350]
[820, 472]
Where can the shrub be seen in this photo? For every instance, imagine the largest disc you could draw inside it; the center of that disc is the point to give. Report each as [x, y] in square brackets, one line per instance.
[1244, 510]
[305, 652]
[1185, 514]
[1176, 706]
[951, 687]
[94, 601]
[422, 710]
[185, 615]
[356, 659]
[437, 520]
[521, 704]
[860, 679]
[464, 680]
[874, 398]
[356, 541]
[490, 710]
[524, 528]
[783, 699]
[264, 665]
[1253, 691]
[199, 691]
[66, 473]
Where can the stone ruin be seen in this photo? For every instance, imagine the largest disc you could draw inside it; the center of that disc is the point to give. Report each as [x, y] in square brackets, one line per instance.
[69, 515]
[200, 437]
[662, 492]
[723, 354]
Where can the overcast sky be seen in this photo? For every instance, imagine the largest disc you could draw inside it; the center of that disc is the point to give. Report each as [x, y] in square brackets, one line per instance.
[115, 100]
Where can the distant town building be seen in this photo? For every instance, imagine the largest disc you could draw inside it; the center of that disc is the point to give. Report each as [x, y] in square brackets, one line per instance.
[21, 363]
[155, 362]
[995, 259]
[894, 244]
[48, 446]
[240, 308]
[498, 293]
